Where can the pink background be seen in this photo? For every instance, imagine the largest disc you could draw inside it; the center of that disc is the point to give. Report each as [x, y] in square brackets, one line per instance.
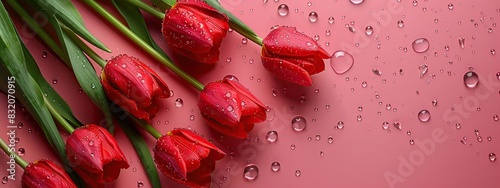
[362, 153]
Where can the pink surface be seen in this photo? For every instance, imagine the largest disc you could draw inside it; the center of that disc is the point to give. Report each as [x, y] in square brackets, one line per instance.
[362, 154]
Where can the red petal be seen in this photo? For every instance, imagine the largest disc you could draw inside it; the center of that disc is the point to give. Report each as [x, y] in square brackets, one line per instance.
[288, 41]
[162, 91]
[169, 160]
[195, 138]
[221, 103]
[124, 102]
[287, 71]
[113, 157]
[237, 131]
[201, 177]
[45, 173]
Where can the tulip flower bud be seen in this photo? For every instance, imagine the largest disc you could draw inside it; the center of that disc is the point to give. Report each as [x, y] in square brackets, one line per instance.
[292, 56]
[45, 173]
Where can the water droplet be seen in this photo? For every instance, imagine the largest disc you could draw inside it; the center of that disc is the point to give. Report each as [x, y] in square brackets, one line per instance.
[461, 42]
[244, 40]
[397, 125]
[423, 69]
[297, 173]
[471, 79]
[340, 125]
[479, 138]
[434, 102]
[385, 125]
[495, 118]
[420, 45]
[91, 143]
[20, 125]
[140, 184]
[292, 147]
[341, 62]
[424, 116]
[192, 117]
[299, 123]
[331, 20]
[21, 151]
[388, 106]
[357, 2]
[330, 139]
[283, 10]
[412, 141]
[275, 166]
[321, 153]
[251, 172]
[272, 136]
[313, 16]
[492, 157]
[359, 117]
[401, 23]
[450, 6]
[179, 102]
[458, 126]
[54, 81]
[134, 169]
[5, 180]
[44, 54]
[377, 72]
[368, 30]
[364, 84]
[415, 2]
[231, 77]
[489, 138]
[493, 51]
[318, 137]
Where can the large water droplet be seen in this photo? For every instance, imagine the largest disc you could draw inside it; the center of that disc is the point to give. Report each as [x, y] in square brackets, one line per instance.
[283, 10]
[424, 116]
[250, 172]
[420, 45]
[492, 157]
[340, 125]
[471, 79]
[299, 123]
[341, 61]
[369, 30]
[272, 136]
[357, 2]
[275, 166]
[313, 16]
[179, 102]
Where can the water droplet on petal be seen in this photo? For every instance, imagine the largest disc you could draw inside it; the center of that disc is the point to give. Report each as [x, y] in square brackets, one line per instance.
[140, 184]
[299, 123]
[21, 151]
[272, 136]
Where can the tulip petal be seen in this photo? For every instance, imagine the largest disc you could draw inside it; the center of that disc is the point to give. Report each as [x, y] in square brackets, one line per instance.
[191, 153]
[237, 131]
[202, 176]
[113, 157]
[169, 160]
[195, 138]
[288, 41]
[220, 102]
[127, 104]
[45, 173]
[287, 71]
[217, 22]
[162, 91]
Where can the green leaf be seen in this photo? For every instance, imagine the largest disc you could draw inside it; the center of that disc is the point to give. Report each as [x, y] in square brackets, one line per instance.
[84, 72]
[12, 60]
[142, 150]
[236, 24]
[60, 104]
[163, 5]
[137, 24]
[66, 13]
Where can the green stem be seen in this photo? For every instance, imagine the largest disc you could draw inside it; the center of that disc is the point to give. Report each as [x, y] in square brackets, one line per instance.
[165, 60]
[254, 38]
[146, 126]
[33, 25]
[91, 53]
[145, 7]
[20, 161]
[65, 124]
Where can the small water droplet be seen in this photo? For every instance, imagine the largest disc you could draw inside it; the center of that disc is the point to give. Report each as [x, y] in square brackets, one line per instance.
[496, 118]
[450, 6]
[251, 172]
[299, 123]
[359, 117]
[140, 184]
[54, 81]
[283, 10]
[424, 116]
[434, 102]
[272, 136]
[313, 16]
[364, 84]
[385, 125]
[297, 173]
[318, 137]
[458, 126]
[420, 45]
[341, 62]
[369, 30]
[275, 166]
[357, 2]
[397, 125]
[461, 42]
[44, 54]
[340, 125]
[231, 77]
[21, 151]
[492, 157]
[5, 179]
[331, 20]
[179, 102]
[412, 141]
[292, 147]
[388, 106]
[401, 23]
[423, 69]
[330, 139]
[377, 72]
[493, 51]
[471, 79]
[479, 138]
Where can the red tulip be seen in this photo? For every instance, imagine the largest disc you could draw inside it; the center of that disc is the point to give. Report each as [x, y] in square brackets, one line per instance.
[133, 86]
[230, 108]
[186, 157]
[94, 155]
[293, 56]
[195, 30]
[45, 173]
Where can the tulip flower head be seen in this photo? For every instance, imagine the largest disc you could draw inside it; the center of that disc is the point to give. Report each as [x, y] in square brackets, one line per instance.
[195, 30]
[133, 86]
[292, 56]
[186, 157]
[230, 108]
[45, 173]
[94, 155]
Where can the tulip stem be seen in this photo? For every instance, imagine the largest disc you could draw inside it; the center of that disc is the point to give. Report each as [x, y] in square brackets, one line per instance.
[146, 126]
[9, 150]
[58, 117]
[145, 7]
[91, 53]
[165, 60]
